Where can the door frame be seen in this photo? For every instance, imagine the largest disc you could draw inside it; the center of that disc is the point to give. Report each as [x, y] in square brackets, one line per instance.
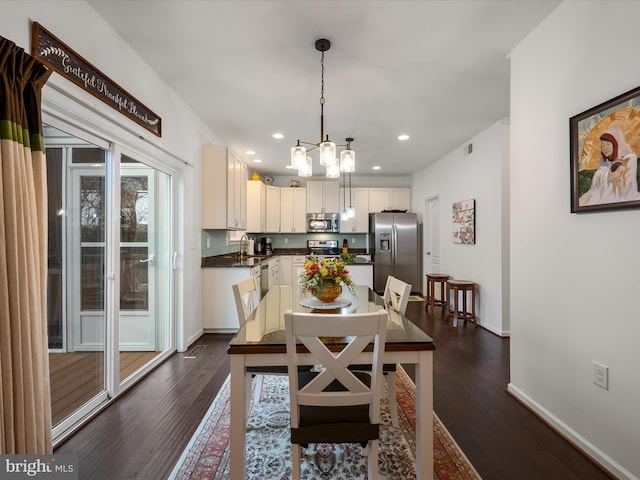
[428, 235]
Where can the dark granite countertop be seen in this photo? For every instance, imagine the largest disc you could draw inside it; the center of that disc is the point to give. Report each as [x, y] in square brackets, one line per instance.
[233, 260]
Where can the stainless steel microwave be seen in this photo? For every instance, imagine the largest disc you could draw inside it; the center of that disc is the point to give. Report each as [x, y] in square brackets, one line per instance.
[323, 222]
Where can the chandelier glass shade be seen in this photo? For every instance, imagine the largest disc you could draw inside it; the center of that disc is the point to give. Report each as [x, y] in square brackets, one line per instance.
[307, 168]
[326, 148]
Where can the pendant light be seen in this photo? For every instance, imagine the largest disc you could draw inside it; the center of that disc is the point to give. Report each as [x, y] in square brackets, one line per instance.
[343, 215]
[325, 147]
[351, 212]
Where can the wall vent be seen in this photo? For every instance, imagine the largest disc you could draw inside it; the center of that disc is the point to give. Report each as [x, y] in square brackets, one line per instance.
[468, 149]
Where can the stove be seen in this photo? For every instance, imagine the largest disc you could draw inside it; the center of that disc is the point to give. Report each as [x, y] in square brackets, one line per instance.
[323, 248]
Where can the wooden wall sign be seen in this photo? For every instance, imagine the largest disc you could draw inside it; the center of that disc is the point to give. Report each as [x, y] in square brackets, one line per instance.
[72, 66]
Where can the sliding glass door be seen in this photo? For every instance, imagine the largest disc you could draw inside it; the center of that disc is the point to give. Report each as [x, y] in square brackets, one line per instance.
[110, 276]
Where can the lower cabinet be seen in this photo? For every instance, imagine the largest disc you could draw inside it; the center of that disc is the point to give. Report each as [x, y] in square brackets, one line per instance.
[361, 274]
[290, 268]
[219, 312]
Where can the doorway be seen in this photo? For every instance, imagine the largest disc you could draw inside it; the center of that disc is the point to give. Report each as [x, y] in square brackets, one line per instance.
[432, 237]
[110, 281]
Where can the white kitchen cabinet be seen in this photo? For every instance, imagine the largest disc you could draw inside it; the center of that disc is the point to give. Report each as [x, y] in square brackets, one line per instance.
[270, 276]
[297, 267]
[361, 274]
[256, 206]
[323, 197]
[293, 210]
[219, 313]
[290, 268]
[360, 202]
[224, 194]
[285, 269]
[400, 199]
[272, 223]
[389, 199]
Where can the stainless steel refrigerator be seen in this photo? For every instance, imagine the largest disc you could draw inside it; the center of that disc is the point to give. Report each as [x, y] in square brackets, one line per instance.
[393, 244]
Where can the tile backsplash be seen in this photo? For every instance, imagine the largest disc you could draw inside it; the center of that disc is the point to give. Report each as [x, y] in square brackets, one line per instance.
[219, 244]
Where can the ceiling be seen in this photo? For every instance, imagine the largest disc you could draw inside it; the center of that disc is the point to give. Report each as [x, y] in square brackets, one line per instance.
[435, 70]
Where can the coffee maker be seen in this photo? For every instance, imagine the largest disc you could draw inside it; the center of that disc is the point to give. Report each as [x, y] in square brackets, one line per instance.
[266, 245]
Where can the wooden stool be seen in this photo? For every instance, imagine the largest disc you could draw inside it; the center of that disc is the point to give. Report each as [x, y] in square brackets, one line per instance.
[457, 287]
[432, 279]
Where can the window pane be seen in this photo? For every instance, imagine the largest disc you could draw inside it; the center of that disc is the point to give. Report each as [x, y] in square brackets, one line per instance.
[92, 204]
[92, 279]
[88, 155]
[134, 278]
[134, 208]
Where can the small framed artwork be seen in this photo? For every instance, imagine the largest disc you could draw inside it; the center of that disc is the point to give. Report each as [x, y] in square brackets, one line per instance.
[464, 222]
[605, 141]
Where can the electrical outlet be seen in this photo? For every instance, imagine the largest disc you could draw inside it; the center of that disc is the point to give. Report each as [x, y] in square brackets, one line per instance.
[208, 242]
[286, 240]
[353, 241]
[601, 375]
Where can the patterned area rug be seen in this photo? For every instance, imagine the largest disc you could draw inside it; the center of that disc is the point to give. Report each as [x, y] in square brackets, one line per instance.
[269, 450]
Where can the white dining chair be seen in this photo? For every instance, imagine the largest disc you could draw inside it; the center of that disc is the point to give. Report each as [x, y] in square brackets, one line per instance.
[335, 404]
[396, 297]
[247, 298]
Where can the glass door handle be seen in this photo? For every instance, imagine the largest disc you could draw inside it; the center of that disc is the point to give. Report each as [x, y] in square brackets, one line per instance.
[151, 260]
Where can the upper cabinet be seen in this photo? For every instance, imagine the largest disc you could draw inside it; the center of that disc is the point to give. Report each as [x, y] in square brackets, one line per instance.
[389, 199]
[273, 209]
[323, 197]
[224, 184]
[358, 198]
[293, 210]
[256, 206]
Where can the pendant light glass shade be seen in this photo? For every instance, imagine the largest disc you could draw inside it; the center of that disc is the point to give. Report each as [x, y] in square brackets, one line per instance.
[306, 170]
[351, 212]
[298, 156]
[347, 161]
[333, 171]
[327, 151]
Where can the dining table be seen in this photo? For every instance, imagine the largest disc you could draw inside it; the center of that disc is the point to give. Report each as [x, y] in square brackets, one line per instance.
[260, 341]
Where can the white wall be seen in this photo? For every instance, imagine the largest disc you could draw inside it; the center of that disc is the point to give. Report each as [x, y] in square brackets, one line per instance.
[480, 176]
[574, 278]
[80, 27]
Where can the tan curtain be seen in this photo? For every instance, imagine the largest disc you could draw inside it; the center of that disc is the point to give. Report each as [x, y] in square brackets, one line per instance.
[25, 405]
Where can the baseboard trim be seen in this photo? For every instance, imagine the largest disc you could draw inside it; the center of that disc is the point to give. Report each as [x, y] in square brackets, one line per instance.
[220, 330]
[495, 331]
[590, 451]
[192, 339]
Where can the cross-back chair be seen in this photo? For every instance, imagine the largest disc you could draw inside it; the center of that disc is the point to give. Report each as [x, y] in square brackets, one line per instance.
[396, 297]
[247, 298]
[335, 404]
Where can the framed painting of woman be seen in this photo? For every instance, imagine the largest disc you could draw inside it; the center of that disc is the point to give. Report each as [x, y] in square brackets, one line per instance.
[605, 141]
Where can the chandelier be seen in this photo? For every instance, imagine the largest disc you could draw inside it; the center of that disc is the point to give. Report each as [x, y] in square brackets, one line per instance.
[325, 147]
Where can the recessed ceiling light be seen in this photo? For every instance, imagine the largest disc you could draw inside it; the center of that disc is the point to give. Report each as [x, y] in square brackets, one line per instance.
[278, 136]
[377, 167]
[257, 160]
[403, 137]
[250, 152]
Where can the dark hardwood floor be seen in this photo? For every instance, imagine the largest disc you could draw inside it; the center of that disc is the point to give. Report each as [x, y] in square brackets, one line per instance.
[142, 434]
